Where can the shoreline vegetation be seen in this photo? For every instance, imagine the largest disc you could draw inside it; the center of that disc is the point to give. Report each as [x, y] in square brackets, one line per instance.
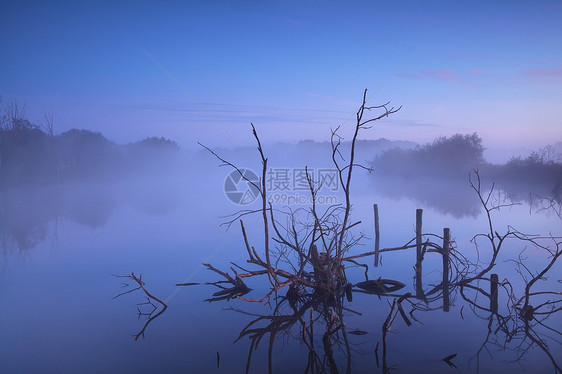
[30, 153]
[456, 156]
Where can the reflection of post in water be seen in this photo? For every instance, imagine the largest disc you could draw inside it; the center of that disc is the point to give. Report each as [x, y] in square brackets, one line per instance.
[494, 293]
[419, 254]
[445, 249]
[377, 234]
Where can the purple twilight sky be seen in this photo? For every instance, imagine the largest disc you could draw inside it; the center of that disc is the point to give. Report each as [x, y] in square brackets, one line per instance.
[203, 70]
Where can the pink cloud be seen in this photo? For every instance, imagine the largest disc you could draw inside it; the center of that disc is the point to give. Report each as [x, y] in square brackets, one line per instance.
[478, 73]
[544, 73]
[333, 98]
[443, 75]
[474, 56]
[407, 75]
[294, 21]
[447, 76]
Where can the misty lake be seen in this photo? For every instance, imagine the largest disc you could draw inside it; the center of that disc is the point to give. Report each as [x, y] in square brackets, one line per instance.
[136, 234]
[63, 244]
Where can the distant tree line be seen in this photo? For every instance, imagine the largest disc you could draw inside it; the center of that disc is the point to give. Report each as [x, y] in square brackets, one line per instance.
[540, 168]
[453, 158]
[444, 157]
[31, 153]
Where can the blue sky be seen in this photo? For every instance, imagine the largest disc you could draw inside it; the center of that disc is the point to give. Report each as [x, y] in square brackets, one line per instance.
[202, 70]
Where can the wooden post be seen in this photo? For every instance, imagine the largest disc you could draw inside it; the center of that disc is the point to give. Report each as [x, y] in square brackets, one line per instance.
[494, 293]
[419, 214]
[377, 235]
[446, 246]
[419, 255]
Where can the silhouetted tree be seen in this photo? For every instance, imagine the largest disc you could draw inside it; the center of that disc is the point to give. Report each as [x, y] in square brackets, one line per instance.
[453, 156]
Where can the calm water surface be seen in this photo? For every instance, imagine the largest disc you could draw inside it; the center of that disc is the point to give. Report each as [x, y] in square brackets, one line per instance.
[62, 244]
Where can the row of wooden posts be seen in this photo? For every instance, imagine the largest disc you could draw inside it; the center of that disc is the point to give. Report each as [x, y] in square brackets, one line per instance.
[445, 251]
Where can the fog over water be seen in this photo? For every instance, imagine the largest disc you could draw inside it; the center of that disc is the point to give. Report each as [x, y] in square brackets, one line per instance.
[161, 215]
[128, 247]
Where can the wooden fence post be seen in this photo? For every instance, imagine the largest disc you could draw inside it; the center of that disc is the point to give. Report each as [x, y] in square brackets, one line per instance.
[419, 214]
[377, 235]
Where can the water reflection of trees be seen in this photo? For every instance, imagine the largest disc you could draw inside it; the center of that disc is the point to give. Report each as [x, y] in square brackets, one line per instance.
[31, 214]
[28, 214]
[311, 258]
[435, 174]
[442, 194]
[45, 178]
[439, 194]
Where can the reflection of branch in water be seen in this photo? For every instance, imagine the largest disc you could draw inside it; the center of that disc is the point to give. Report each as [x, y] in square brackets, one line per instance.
[385, 329]
[151, 316]
[302, 320]
[527, 312]
[541, 343]
[537, 200]
[515, 331]
[551, 204]
[554, 254]
[395, 309]
[522, 321]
